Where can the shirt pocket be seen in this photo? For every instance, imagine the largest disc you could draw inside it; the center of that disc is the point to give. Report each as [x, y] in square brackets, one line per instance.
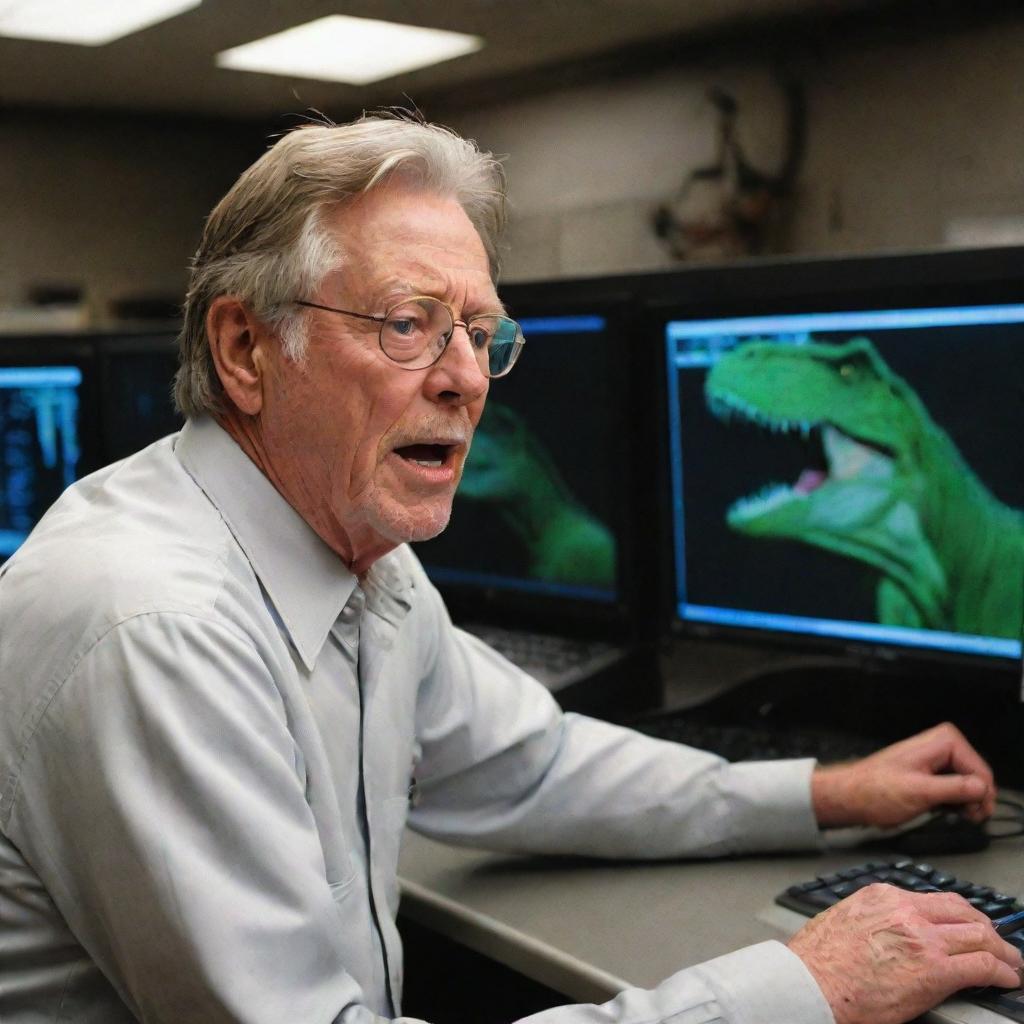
[339, 890]
[338, 864]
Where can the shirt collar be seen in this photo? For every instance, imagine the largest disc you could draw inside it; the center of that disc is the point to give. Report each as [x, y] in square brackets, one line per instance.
[307, 582]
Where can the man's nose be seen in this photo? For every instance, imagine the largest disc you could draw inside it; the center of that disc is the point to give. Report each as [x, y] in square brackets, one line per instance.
[458, 376]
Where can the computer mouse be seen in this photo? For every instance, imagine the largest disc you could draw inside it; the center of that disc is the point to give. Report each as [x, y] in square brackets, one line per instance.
[943, 831]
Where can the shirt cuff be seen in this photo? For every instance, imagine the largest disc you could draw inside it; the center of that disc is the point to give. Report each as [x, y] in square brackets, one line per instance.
[764, 984]
[771, 802]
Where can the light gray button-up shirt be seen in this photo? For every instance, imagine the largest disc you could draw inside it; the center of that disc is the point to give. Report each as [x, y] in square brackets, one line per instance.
[209, 733]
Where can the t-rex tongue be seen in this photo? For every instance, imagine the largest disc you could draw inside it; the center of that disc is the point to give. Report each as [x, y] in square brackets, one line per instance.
[810, 480]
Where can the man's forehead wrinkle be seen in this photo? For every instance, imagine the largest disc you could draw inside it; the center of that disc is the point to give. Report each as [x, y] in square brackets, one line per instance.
[449, 284]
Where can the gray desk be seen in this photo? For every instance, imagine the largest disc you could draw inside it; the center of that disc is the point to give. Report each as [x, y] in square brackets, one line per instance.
[589, 929]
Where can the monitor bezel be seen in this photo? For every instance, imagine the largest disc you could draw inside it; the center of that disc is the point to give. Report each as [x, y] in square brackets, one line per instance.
[618, 619]
[134, 341]
[888, 281]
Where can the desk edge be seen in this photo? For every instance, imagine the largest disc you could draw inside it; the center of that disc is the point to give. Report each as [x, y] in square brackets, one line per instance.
[531, 957]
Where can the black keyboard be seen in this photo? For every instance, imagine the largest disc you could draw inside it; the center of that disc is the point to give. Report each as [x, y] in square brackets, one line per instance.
[555, 660]
[754, 741]
[810, 898]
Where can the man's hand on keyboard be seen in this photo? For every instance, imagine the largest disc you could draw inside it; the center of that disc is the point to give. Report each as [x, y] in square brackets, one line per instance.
[935, 768]
[885, 956]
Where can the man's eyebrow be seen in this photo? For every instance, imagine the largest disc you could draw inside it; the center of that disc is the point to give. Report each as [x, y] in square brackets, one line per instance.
[400, 287]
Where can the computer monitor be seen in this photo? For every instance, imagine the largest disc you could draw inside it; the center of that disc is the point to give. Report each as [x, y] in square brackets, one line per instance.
[47, 428]
[850, 474]
[541, 524]
[137, 373]
[843, 445]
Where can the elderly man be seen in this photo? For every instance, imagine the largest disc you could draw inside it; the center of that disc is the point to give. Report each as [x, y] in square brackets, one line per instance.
[226, 684]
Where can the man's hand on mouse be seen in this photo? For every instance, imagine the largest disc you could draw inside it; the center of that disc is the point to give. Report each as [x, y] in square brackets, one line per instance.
[935, 768]
[885, 956]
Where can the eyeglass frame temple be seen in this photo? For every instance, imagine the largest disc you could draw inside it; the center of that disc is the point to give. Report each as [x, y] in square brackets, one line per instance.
[346, 312]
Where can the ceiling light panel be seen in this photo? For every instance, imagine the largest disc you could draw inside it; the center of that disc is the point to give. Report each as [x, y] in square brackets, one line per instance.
[86, 22]
[356, 51]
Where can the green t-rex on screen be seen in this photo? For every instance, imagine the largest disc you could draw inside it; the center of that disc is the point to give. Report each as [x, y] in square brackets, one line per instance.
[510, 468]
[896, 495]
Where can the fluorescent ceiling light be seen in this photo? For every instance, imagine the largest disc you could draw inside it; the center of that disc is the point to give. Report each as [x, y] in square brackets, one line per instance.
[87, 22]
[340, 48]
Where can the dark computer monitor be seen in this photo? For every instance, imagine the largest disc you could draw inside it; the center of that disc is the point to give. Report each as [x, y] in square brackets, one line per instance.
[540, 523]
[843, 445]
[47, 428]
[137, 375]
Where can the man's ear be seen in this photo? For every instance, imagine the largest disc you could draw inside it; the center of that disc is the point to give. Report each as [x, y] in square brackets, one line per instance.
[236, 340]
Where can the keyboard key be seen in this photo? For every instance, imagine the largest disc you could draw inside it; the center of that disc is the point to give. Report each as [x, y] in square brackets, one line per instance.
[796, 890]
[993, 909]
[904, 879]
[844, 889]
[856, 872]
[821, 899]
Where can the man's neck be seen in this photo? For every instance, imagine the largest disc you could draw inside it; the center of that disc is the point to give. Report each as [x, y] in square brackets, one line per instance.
[358, 558]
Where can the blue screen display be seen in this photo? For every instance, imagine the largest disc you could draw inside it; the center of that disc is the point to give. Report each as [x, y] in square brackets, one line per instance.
[40, 449]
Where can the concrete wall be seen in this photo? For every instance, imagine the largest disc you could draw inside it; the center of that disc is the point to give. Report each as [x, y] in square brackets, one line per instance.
[112, 205]
[908, 145]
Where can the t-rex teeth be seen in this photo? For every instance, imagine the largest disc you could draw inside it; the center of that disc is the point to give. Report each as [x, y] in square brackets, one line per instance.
[763, 501]
[720, 408]
[726, 407]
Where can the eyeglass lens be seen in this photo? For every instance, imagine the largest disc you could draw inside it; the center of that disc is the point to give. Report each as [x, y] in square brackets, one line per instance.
[416, 332]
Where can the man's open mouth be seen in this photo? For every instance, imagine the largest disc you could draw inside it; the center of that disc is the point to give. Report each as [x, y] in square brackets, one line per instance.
[432, 456]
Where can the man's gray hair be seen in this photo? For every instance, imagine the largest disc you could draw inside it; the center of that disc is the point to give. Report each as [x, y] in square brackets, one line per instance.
[265, 241]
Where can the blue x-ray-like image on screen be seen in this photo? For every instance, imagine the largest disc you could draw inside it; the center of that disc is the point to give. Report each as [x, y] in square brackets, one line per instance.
[39, 445]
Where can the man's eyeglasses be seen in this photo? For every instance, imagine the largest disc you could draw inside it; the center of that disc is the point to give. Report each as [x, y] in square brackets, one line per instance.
[416, 332]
